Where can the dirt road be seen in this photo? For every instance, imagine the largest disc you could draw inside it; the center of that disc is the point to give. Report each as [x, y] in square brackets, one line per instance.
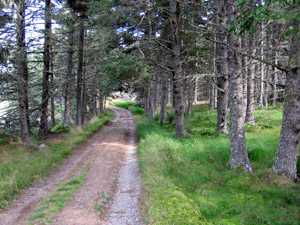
[113, 176]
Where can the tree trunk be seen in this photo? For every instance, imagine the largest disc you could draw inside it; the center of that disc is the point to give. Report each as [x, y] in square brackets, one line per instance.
[101, 104]
[52, 91]
[263, 71]
[287, 152]
[152, 96]
[239, 155]
[221, 71]
[80, 97]
[164, 94]
[251, 86]
[211, 95]
[275, 78]
[177, 70]
[146, 99]
[190, 94]
[196, 90]
[22, 80]
[45, 86]
[69, 78]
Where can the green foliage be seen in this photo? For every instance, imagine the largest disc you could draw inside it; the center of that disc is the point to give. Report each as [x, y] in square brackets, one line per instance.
[272, 10]
[125, 105]
[132, 106]
[59, 128]
[188, 180]
[137, 110]
[3, 141]
[21, 167]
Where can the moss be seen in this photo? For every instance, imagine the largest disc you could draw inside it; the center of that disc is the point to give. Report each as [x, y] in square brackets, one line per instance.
[175, 207]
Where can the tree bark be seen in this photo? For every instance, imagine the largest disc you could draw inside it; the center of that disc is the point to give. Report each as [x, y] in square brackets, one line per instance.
[190, 94]
[22, 81]
[146, 99]
[52, 91]
[164, 94]
[45, 86]
[287, 152]
[177, 70]
[80, 97]
[239, 155]
[251, 86]
[152, 96]
[221, 70]
[69, 77]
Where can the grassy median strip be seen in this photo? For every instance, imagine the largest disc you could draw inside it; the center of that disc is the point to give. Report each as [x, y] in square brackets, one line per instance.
[49, 207]
[188, 181]
[21, 167]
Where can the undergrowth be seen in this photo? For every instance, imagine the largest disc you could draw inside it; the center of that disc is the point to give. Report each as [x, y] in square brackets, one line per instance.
[188, 181]
[20, 167]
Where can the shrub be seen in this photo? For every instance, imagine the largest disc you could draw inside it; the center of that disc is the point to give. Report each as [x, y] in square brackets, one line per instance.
[137, 110]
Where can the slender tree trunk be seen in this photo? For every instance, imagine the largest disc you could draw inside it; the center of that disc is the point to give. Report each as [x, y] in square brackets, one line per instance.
[177, 73]
[239, 155]
[146, 98]
[164, 94]
[275, 78]
[45, 92]
[221, 70]
[190, 94]
[69, 77]
[251, 86]
[101, 104]
[157, 92]
[152, 96]
[287, 152]
[263, 71]
[80, 100]
[211, 95]
[52, 91]
[22, 80]
[196, 90]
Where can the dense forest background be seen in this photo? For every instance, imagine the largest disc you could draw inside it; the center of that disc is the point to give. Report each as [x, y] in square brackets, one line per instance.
[61, 60]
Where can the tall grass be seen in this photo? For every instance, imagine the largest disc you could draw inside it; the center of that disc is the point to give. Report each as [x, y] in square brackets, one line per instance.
[20, 167]
[188, 180]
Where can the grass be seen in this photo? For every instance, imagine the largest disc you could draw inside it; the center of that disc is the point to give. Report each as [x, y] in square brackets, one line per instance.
[21, 167]
[49, 207]
[131, 106]
[187, 180]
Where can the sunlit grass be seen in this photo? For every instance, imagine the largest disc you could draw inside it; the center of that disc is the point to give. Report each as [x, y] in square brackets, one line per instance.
[188, 180]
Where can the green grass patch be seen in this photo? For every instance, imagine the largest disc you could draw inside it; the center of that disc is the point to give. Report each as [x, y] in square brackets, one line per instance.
[125, 105]
[21, 167]
[49, 207]
[188, 180]
[131, 106]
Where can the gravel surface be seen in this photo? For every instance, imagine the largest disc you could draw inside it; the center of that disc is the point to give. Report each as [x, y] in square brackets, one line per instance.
[125, 207]
[113, 181]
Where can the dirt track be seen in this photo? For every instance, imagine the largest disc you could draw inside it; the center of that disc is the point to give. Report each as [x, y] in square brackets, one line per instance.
[111, 156]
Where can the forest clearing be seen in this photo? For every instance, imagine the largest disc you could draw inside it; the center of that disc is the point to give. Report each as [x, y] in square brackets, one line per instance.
[149, 112]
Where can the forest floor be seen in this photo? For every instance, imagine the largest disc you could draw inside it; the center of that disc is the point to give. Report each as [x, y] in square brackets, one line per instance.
[98, 184]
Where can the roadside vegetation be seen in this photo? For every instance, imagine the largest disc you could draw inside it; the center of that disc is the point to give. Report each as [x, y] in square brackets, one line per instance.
[20, 167]
[131, 106]
[188, 181]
